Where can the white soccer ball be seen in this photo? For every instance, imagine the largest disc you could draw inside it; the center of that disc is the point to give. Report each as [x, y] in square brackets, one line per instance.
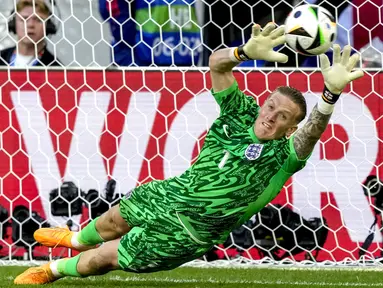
[310, 29]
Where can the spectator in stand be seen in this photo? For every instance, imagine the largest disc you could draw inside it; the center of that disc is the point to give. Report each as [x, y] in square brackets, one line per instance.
[31, 24]
[153, 33]
[363, 30]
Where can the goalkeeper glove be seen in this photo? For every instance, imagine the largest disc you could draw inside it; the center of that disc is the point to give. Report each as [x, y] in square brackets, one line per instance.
[260, 45]
[337, 76]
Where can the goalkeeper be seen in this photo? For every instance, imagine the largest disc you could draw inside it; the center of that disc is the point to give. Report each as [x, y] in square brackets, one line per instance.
[248, 155]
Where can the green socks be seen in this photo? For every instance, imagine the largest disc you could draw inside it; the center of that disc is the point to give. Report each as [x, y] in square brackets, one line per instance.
[66, 267]
[89, 235]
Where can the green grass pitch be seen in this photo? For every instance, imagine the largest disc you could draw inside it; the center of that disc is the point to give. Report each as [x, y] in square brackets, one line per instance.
[217, 277]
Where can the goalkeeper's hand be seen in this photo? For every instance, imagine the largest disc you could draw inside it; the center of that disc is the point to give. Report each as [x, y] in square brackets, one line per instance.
[260, 45]
[337, 76]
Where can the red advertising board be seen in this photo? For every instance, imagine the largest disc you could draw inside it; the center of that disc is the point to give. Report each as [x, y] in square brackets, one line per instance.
[135, 126]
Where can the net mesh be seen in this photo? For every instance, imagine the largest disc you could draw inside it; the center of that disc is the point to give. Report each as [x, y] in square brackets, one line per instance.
[68, 133]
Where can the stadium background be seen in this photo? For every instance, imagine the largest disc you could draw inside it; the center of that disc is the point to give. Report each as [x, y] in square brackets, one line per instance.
[89, 48]
[87, 124]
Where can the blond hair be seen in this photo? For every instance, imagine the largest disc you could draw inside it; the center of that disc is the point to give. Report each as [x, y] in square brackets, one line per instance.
[38, 4]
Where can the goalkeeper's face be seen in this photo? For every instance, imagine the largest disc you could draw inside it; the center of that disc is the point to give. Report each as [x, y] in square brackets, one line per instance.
[277, 118]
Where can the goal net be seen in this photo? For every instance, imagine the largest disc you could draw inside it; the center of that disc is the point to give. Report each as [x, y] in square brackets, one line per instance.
[68, 133]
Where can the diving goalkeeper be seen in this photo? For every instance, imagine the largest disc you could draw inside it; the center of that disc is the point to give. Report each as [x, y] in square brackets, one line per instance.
[248, 155]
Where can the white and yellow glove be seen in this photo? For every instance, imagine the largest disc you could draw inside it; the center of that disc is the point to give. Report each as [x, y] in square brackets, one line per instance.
[260, 45]
[337, 76]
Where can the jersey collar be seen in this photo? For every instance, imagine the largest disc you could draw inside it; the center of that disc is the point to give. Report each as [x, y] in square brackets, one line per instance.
[252, 134]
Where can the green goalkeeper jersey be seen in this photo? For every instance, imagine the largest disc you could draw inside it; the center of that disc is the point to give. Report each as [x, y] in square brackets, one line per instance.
[235, 175]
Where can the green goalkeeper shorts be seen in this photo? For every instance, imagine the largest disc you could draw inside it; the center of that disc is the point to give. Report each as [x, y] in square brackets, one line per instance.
[158, 240]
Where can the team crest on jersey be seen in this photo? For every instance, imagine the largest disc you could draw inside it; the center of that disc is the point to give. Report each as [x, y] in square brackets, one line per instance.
[253, 151]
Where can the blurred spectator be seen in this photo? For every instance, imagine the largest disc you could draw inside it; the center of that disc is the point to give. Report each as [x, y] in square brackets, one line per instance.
[31, 25]
[363, 22]
[153, 33]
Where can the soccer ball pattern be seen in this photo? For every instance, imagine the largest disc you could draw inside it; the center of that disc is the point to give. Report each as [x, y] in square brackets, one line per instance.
[310, 29]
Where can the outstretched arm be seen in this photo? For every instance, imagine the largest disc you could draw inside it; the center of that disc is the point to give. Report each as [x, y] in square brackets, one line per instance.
[336, 77]
[306, 137]
[221, 65]
[259, 47]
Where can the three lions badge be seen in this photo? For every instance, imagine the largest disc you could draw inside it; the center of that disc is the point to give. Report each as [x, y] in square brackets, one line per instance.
[253, 151]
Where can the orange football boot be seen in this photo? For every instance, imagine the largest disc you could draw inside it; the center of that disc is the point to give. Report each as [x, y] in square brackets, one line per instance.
[54, 237]
[36, 275]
